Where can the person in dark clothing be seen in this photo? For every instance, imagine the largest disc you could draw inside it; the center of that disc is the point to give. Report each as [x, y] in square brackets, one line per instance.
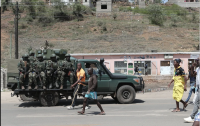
[136, 70]
[146, 70]
[192, 78]
[91, 93]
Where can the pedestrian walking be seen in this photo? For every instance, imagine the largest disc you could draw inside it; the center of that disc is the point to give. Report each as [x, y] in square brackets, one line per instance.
[192, 78]
[146, 69]
[197, 119]
[80, 77]
[196, 99]
[180, 81]
[136, 70]
[91, 93]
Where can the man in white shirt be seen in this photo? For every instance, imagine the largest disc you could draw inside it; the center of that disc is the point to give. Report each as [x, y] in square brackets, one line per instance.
[196, 99]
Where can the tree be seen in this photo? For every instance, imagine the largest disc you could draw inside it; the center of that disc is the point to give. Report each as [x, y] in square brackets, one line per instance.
[156, 15]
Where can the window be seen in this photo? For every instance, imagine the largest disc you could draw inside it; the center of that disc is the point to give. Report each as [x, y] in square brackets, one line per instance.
[120, 67]
[85, 0]
[103, 6]
[141, 65]
[91, 65]
[165, 63]
[130, 65]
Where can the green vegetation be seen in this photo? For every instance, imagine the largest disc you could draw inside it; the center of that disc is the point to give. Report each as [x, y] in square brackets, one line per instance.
[125, 9]
[38, 12]
[114, 16]
[156, 15]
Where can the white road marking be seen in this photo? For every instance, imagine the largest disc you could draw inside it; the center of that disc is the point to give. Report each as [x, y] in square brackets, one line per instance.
[53, 115]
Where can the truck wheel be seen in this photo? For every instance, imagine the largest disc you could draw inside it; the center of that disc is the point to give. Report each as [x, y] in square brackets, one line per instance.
[49, 98]
[126, 94]
[24, 98]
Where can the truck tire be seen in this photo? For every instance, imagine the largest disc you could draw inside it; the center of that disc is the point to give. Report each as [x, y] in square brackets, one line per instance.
[126, 94]
[26, 99]
[49, 98]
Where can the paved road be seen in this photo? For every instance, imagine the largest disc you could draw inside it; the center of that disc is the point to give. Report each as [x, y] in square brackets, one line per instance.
[149, 109]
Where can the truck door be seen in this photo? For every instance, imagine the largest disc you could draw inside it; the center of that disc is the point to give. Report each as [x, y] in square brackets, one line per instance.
[103, 80]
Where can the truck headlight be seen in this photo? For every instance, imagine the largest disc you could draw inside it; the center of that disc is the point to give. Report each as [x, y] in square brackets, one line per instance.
[136, 80]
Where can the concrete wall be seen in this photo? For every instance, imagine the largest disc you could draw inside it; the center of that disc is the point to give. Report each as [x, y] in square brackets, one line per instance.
[87, 3]
[104, 2]
[189, 4]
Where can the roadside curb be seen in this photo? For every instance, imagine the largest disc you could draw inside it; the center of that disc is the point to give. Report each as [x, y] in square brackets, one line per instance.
[154, 90]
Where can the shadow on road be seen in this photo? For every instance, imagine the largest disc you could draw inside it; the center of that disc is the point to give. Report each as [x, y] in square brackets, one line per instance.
[181, 110]
[79, 103]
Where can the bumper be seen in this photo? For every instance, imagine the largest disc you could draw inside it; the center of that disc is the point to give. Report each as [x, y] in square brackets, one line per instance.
[142, 84]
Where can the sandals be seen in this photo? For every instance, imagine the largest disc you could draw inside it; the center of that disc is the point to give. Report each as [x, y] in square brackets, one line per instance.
[176, 110]
[81, 113]
[102, 113]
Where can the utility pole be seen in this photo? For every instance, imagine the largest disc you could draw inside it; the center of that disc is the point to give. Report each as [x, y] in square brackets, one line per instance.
[10, 45]
[16, 31]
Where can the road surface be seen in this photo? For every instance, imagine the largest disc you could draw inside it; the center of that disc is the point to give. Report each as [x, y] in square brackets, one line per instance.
[149, 109]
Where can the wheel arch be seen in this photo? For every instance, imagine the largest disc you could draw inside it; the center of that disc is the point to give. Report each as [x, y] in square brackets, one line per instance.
[122, 84]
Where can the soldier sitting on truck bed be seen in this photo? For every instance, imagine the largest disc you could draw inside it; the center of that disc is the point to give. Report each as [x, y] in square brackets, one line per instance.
[40, 69]
[60, 74]
[69, 68]
[31, 55]
[23, 67]
[51, 67]
[65, 67]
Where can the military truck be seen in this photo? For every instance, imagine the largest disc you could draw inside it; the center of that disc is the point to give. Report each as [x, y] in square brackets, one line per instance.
[120, 87]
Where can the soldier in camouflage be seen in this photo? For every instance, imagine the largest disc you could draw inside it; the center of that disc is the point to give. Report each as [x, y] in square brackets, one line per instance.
[65, 67]
[60, 74]
[23, 67]
[40, 70]
[32, 75]
[51, 67]
[31, 56]
[68, 68]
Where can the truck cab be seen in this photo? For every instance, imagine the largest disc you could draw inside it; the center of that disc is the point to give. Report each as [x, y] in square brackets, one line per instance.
[120, 87]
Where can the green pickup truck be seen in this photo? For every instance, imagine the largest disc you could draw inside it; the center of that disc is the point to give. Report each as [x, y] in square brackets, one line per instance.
[120, 87]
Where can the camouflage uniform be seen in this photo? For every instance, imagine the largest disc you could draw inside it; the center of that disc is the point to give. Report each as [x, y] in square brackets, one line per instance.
[60, 74]
[32, 75]
[69, 68]
[32, 59]
[65, 67]
[40, 70]
[23, 67]
[51, 67]
[32, 70]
